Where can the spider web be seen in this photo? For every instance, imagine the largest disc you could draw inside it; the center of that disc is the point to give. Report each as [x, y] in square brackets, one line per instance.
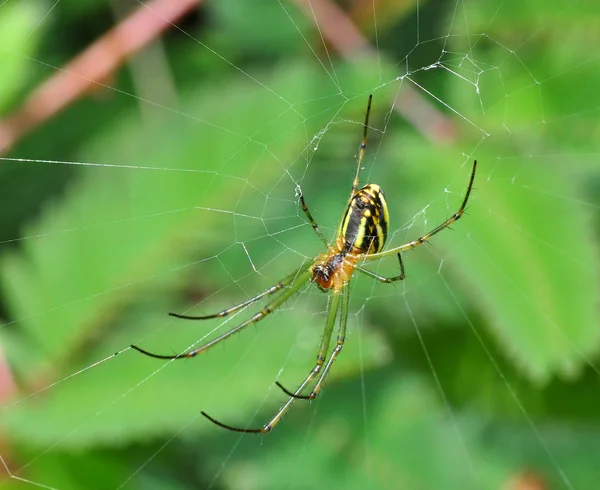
[181, 194]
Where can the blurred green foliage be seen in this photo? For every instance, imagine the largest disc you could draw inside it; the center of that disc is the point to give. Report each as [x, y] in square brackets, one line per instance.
[478, 369]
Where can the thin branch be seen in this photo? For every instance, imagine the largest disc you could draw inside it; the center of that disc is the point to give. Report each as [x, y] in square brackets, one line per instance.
[8, 386]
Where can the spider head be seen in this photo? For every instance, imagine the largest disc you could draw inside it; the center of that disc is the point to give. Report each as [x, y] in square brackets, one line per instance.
[326, 271]
[322, 276]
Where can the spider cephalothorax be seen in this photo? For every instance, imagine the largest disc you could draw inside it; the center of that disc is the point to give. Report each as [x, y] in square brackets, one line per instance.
[360, 238]
[333, 270]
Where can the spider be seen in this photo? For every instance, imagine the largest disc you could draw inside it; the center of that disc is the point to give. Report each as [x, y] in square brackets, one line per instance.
[360, 238]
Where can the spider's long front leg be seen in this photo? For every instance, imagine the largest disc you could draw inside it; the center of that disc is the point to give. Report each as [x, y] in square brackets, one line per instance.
[341, 337]
[332, 315]
[421, 240]
[267, 292]
[298, 282]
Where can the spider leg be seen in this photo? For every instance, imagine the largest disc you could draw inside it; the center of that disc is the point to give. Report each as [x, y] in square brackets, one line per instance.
[341, 337]
[298, 282]
[331, 317]
[271, 290]
[423, 239]
[386, 280]
[312, 220]
[361, 148]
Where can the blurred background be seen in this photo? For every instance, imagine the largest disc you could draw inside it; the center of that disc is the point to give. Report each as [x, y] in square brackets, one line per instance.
[151, 159]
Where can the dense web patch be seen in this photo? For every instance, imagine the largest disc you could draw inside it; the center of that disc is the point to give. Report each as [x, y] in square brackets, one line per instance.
[181, 193]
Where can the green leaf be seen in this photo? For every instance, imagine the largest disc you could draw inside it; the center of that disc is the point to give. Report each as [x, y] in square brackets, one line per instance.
[19, 37]
[514, 248]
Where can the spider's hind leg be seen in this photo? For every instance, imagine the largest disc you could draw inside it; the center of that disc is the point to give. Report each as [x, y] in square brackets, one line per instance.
[341, 337]
[385, 280]
[334, 307]
[362, 148]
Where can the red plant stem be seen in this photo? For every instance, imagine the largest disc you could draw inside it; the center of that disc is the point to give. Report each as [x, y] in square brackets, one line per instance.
[93, 66]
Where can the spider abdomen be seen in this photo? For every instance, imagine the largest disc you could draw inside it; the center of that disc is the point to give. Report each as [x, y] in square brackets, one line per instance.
[365, 223]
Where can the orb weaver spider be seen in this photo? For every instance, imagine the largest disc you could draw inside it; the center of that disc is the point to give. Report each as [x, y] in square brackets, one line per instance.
[360, 238]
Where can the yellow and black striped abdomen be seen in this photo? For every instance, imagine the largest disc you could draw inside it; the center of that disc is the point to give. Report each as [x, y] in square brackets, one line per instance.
[365, 224]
